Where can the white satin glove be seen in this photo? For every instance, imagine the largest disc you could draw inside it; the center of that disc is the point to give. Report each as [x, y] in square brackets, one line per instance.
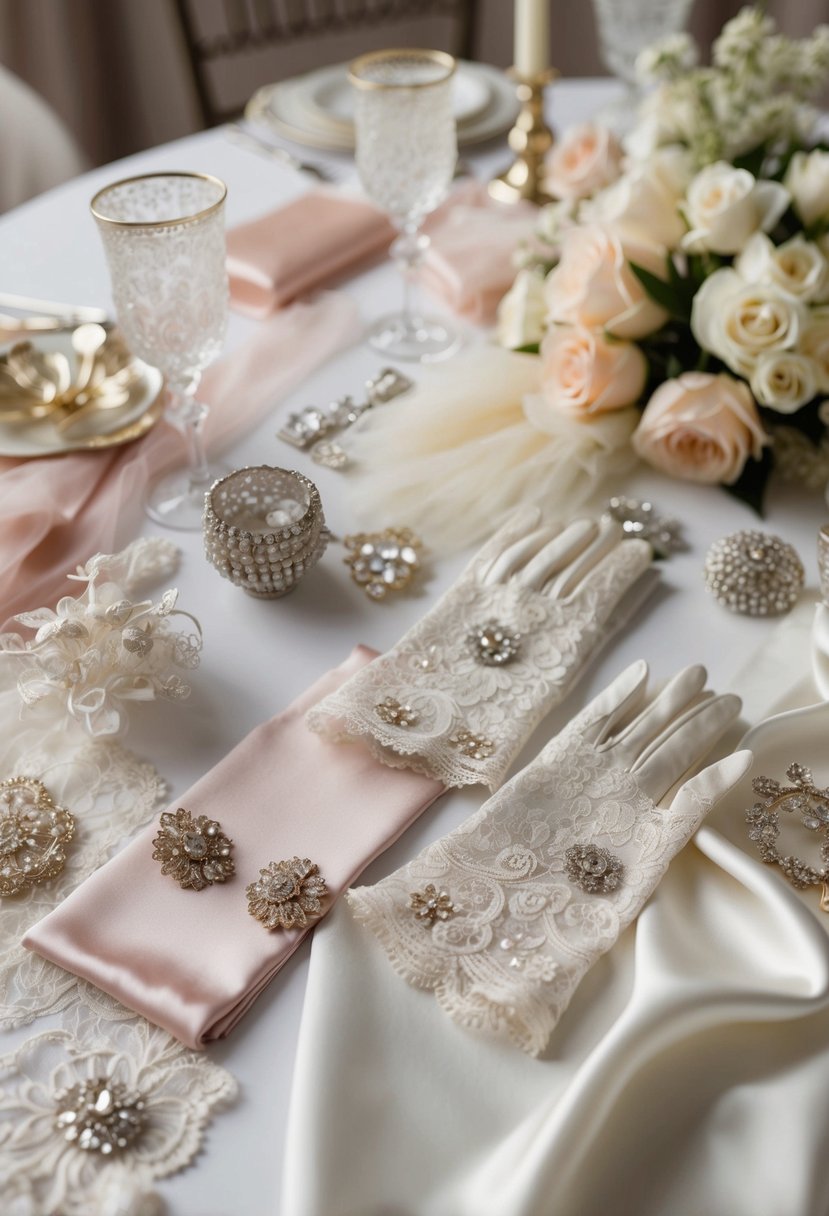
[502, 918]
[445, 703]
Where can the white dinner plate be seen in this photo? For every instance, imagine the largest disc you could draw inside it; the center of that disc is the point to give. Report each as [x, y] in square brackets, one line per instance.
[327, 97]
[283, 107]
[109, 429]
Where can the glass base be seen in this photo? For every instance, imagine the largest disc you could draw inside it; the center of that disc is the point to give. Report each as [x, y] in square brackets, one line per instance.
[413, 339]
[176, 501]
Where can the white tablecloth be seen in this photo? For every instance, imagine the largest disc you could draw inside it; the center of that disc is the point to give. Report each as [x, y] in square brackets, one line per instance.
[259, 655]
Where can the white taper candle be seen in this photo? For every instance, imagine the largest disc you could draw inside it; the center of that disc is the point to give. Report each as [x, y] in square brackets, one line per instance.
[532, 36]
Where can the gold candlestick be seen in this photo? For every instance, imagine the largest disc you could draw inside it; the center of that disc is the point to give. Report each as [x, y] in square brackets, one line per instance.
[530, 140]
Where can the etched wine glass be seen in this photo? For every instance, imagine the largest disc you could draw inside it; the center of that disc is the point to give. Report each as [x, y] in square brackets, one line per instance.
[406, 150]
[164, 238]
[625, 28]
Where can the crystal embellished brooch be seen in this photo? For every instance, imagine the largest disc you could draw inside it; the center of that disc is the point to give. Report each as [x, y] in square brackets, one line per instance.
[382, 562]
[754, 573]
[595, 870]
[99, 1116]
[639, 519]
[194, 851]
[802, 797]
[390, 711]
[431, 905]
[287, 894]
[494, 644]
[34, 834]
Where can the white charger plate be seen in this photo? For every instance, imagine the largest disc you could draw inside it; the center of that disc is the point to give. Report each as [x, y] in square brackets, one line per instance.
[282, 107]
[110, 429]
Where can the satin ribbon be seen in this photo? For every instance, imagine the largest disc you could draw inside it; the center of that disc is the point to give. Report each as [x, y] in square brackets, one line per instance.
[193, 962]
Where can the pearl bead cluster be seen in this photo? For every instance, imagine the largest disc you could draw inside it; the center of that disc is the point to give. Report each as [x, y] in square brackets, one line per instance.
[264, 528]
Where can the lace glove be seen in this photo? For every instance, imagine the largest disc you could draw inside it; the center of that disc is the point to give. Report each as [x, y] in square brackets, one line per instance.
[503, 917]
[462, 692]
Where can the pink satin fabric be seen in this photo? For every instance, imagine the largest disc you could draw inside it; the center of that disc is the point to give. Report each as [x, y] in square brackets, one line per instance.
[55, 512]
[193, 962]
[290, 251]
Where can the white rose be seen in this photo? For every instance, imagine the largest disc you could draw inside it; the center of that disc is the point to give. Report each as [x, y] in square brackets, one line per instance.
[587, 158]
[522, 311]
[643, 204]
[738, 321]
[724, 206]
[784, 380]
[797, 268]
[814, 343]
[807, 181]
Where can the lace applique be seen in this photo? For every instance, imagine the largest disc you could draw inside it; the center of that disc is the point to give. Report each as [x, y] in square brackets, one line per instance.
[521, 934]
[180, 1090]
[437, 674]
[111, 793]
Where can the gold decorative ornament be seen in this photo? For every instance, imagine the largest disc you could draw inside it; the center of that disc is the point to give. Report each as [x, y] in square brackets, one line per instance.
[287, 894]
[476, 747]
[530, 139]
[194, 852]
[393, 713]
[34, 833]
[383, 562]
[430, 905]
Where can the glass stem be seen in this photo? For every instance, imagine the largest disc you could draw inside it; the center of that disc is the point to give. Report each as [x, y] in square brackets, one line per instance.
[191, 415]
[409, 251]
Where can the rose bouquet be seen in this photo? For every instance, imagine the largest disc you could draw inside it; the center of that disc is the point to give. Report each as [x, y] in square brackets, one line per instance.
[686, 272]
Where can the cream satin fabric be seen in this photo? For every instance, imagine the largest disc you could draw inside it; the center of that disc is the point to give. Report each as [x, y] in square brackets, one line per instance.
[688, 1075]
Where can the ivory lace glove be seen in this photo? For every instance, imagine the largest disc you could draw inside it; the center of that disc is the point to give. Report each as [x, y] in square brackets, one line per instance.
[503, 917]
[464, 689]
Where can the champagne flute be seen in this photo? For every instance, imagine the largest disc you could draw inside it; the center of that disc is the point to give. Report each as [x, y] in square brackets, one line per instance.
[164, 238]
[406, 154]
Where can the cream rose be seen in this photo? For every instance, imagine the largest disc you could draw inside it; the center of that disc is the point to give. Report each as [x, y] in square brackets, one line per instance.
[593, 284]
[784, 380]
[643, 204]
[586, 159]
[738, 321]
[814, 343]
[807, 181]
[584, 372]
[522, 311]
[797, 268]
[700, 427]
[724, 206]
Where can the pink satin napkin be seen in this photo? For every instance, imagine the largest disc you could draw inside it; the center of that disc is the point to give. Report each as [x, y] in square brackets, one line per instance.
[288, 252]
[56, 511]
[193, 962]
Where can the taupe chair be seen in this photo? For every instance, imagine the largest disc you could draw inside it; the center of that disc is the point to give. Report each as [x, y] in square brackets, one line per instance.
[235, 46]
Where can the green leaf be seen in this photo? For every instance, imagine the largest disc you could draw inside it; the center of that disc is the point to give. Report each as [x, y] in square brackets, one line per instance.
[750, 487]
[532, 348]
[670, 297]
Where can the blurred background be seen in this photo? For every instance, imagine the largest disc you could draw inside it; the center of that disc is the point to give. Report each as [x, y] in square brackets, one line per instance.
[123, 75]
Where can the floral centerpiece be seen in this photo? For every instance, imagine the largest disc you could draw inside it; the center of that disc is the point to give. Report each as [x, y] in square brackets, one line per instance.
[686, 271]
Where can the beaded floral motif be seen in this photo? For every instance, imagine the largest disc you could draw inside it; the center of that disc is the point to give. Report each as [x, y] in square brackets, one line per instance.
[522, 935]
[194, 852]
[287, 894]
[494, 644]
[99, 1115]
[754, 573]
[592, 868]
[430, 905]
[476, 747]
[391, 711]
[34, 834]
[381, 562]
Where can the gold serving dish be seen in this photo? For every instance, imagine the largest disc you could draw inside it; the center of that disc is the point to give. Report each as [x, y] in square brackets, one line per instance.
[74, 390]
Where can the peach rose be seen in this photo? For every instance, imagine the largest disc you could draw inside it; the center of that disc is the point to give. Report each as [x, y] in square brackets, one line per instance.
[587, 159]
[593, 283]
[585, 372]
[701, 428]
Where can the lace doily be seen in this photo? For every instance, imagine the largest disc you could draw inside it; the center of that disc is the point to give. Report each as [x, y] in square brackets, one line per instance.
[433, 671]
[180, 1090]
[521, 935]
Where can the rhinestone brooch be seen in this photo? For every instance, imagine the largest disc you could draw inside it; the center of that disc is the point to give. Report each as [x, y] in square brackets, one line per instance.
[430, 905]
[494, 644]
[639, 519]
[476, 747]
[394, 714]
[34, 834]
[594, 869]
[311, 423]
[287, 894]
[754, 573]
[99, 1115]
[194, 852]
[804, 798]
[381, 562]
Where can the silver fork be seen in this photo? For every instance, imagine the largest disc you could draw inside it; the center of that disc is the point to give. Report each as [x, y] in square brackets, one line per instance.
[254, 143]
